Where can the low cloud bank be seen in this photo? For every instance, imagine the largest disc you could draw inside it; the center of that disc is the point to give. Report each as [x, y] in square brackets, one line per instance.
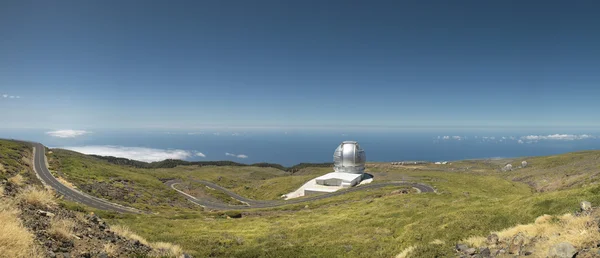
[67, 133]
[563, 137]
[241, 156]
[135, 153]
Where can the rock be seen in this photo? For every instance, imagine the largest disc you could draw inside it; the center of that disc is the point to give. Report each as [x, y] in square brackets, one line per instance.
[399, 191]
[500, 252]
[492, 239]
[51, 254]
[562, 250]
[102, 255]
[585, 206]
[471, 251]
[516, 243]
[485, 252]
[461, 247]
[45, 213]
[186, 255]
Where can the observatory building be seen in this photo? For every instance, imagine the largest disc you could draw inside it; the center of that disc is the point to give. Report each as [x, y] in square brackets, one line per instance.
[348, 164]
[349, 167]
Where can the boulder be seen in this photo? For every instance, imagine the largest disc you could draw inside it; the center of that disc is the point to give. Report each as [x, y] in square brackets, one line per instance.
[562, 250]
[45, 213]
[516, 243]
[585, 206]
[471, 251]
[461, 247]
[492, 239]
[485, 252]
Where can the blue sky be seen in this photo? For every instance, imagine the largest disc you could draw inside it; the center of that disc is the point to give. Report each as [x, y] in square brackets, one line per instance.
[193, 64]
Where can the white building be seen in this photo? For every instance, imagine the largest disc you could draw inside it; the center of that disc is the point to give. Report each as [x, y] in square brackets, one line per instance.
[339, 179]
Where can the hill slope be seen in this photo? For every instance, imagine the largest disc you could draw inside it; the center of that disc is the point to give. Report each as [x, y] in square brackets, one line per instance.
[474, 198]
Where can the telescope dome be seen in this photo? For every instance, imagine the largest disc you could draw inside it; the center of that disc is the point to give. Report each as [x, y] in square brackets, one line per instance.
[349, 158]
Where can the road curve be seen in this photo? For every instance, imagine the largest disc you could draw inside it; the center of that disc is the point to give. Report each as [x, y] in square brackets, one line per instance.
[254, 204]
[39, 165]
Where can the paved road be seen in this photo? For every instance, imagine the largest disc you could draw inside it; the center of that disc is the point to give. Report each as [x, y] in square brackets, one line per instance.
[44, 174]
[252, 204]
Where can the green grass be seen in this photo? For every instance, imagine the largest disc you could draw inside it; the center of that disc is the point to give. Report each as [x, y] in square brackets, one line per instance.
[473, 198]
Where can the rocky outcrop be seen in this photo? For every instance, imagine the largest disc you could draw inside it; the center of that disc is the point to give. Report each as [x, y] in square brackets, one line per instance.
[91, 236]
[565, 236]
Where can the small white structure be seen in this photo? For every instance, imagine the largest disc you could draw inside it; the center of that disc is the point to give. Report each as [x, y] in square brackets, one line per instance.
[524, 164]
[508, 167]
[339, 179]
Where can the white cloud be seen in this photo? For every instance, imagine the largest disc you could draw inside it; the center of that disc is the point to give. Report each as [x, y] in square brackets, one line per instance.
[562, 137]
[67, 133]
[241, 156]
[12, 97]
[447, 137]
[200, 154]
[217, 134]
[18, 97]
[196, 133]
[235, 134]
[520, 141]
[135, 153]
[4, 95]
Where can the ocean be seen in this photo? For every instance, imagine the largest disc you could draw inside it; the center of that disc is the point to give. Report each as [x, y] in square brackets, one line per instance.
[289, 147]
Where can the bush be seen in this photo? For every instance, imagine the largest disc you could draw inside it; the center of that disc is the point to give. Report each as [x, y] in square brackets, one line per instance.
[37, 197]
[15, 240]
[61, 229]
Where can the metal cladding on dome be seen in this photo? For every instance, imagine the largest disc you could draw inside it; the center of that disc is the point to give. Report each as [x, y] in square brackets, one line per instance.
[349, 158]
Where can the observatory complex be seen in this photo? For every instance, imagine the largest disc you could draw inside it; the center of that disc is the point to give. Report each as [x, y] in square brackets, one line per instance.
[349, 167]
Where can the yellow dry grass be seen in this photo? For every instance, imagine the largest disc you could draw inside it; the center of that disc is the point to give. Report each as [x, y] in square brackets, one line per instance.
[17, 180]
[61, 228]
[159, 249]
[1, 191]
[580, 231]
[2, 169]
[38, 197]
[406, 252]
[110, 250]
[65, 182]
[15, 240]
[124, 231]
[163, 249]
[475, 241]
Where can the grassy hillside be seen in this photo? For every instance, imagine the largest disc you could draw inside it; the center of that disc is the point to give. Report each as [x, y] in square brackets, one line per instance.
[473, 199]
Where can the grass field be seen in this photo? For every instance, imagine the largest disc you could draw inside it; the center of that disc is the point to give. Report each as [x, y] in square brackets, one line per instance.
[473, 199]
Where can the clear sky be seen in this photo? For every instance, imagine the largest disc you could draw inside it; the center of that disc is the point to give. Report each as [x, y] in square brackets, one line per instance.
[191, 64]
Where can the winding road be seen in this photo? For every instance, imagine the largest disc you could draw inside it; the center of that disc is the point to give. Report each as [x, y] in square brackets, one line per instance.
[41, 170]
[39, 165]
[254, 204]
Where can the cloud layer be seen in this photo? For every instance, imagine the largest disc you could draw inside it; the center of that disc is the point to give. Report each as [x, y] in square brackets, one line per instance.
[200, 154]
[67, 133]
[6, 96]
[561, 137]
[241, 156]
[135, 153]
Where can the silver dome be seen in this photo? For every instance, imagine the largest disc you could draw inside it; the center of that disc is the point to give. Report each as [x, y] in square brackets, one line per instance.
[349, 158]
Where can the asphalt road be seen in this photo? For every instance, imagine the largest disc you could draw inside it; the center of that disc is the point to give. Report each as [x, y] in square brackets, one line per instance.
[45, 175]
[253, 204]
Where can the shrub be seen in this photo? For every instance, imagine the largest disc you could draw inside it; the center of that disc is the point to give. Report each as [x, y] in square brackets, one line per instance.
[37, 197]
[17, 180]
[61, 228]
[159, 249]
[15, 240]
